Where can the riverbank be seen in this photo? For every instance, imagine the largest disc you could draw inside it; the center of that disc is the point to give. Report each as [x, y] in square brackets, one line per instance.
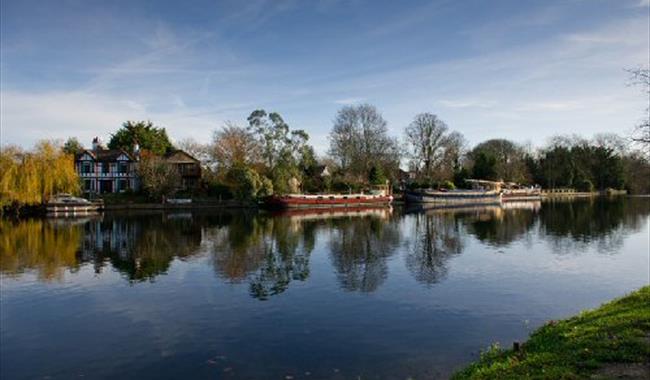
[612, 341]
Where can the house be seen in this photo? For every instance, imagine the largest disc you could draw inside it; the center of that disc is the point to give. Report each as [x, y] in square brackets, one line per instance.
[188, 167]
[104, 170]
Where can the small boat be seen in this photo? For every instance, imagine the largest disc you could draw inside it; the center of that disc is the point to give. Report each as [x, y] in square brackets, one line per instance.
[453, 197]
[68, 205]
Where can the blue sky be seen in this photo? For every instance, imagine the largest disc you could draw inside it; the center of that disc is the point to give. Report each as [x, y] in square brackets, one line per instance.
[523, 70]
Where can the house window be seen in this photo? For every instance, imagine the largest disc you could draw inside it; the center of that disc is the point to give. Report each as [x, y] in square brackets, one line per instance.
[86, 167]
[122, 167]
[87, 185]
[105, 167]
[122, 185]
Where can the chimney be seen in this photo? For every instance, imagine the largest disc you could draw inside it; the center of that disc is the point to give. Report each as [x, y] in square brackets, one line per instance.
[97, 144]
[136, 149]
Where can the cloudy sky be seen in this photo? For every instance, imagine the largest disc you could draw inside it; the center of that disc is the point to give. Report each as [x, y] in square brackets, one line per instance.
[523, 70]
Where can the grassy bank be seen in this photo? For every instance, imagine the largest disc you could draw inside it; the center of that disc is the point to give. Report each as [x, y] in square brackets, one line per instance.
[612, 341]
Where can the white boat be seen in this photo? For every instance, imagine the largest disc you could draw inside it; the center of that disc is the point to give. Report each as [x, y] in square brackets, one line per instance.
[66, 204]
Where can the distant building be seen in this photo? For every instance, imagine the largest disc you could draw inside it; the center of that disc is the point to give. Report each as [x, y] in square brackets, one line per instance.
[188, 166]
[106, 170]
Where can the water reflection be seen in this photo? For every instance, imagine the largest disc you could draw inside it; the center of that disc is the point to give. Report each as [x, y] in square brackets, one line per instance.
[44, 246]
[359, 248]
[268, 252]
[573, 225]
[436, 237]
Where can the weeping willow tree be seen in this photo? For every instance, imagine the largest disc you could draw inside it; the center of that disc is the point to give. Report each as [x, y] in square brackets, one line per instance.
[31, 178]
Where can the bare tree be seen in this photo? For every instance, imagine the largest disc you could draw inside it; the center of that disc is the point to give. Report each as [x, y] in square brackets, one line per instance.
[641, 77]
[433, 150]
[197, 150]
[359, 140]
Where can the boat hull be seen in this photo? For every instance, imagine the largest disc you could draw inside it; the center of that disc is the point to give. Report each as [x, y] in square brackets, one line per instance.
[72, 209]
[325, 201]
[521, 195]
[453, 198]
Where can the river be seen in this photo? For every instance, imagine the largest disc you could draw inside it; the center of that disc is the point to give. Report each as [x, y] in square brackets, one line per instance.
[369, 294]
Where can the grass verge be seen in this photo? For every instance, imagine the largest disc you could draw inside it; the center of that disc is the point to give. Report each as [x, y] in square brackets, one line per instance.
[612, 341]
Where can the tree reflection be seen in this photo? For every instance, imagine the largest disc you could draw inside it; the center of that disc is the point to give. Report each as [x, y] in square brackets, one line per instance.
[435, 239]
[572, 225]
[268, 252]
[47, 247]
[359, 248]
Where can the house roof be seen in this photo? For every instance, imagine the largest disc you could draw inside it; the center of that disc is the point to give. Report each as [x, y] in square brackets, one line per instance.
[180, 156]
[104, 155]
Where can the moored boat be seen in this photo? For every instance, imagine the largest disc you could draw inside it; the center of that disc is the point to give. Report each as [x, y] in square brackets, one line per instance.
[533, 194]
[328, 200]
[453, 197]
[67, 205]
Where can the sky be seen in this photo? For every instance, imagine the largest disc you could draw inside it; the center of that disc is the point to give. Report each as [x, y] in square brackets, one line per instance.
[521, 70]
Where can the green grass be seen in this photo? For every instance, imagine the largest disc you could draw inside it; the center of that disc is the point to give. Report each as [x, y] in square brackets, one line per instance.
[617, 332]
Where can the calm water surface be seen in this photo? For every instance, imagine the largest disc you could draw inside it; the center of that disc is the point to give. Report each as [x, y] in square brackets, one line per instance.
[372, 294]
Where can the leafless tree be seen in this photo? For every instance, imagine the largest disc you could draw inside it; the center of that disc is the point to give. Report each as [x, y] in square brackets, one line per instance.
[359, 140]
[641, 77]
[432, 149]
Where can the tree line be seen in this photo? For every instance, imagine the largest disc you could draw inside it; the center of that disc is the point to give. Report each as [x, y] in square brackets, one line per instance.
[267, 156]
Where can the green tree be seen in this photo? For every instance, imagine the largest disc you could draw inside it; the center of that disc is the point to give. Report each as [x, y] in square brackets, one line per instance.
[284, 150]
[144, 133]
[247, 184]
[510, 164]
[72, 146]
[485, 167]
[376, 175]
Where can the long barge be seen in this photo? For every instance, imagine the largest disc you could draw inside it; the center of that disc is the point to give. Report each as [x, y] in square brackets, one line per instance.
[328, 200]
[453, 197]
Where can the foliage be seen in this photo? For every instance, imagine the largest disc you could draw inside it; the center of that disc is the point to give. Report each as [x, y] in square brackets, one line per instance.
[234, 146]
[448, 185]
[485, 167]
[376, 175]
[31, 178]
[569, 163]
[72, 146]
[460, 175]
[509, 160]
[247, 184]
[147, 136]
[158, 177]
[585, 186]
[615, 333]
[285, 151]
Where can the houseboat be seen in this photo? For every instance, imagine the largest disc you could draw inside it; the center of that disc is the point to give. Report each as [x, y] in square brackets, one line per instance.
[67, 205]
[377, 197]
[483, 192]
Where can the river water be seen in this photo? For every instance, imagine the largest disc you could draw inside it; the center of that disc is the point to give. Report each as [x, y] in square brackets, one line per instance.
[369, 294]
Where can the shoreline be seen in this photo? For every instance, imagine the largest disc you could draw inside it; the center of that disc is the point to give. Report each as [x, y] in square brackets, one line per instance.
[611, 341]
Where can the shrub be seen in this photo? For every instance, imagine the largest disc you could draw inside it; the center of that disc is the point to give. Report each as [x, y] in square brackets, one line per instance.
[585, 186]
[447, 185]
